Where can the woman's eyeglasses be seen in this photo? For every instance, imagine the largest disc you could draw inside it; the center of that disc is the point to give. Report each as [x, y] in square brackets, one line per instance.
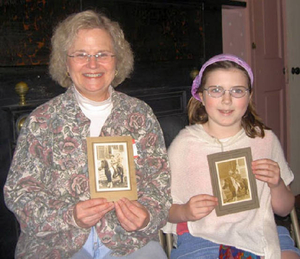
[218, 91]
[101, 57]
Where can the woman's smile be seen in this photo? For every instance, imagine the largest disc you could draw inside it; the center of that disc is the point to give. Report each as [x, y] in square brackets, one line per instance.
[93, 75]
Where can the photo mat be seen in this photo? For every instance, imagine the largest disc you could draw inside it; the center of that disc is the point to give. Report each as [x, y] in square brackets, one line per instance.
[233, 182]
[111, 168]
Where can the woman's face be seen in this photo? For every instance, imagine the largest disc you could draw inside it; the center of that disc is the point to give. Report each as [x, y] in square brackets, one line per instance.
[91, 77]
[225, 113]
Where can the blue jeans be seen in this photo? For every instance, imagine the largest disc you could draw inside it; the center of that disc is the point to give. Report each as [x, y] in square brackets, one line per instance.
[94, 249]
[286, 241]
[190, 247]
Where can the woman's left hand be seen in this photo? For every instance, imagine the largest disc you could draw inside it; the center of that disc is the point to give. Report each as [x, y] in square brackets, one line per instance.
[268, 171]
[131, 214]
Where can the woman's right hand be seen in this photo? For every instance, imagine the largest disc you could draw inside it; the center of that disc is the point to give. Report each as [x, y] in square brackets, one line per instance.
[199, 206]
[88, 213]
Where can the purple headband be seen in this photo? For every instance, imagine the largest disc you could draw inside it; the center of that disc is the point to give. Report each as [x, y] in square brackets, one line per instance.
[221, 57]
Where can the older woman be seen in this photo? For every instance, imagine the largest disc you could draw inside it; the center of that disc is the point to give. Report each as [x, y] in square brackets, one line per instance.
[48, 187]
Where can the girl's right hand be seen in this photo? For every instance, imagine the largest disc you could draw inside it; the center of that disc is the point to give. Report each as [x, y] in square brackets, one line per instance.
[200, 206]
[88, 213]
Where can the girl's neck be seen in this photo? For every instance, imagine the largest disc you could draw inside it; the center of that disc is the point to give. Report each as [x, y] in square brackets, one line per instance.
[221, 132]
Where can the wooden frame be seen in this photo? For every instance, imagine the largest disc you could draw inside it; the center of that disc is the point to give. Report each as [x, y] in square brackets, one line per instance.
[233, 181]
[111, 168]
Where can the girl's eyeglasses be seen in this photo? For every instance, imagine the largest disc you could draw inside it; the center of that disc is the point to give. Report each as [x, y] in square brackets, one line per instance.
[218, 91]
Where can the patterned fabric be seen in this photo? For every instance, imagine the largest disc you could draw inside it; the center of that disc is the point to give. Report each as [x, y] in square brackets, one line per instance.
[229, 252]
[49, 175]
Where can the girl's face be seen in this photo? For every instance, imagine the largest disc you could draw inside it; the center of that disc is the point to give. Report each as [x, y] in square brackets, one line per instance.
[225, 113]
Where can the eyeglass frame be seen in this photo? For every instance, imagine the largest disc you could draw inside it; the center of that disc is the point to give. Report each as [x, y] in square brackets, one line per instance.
[87, 57]
[230, 91]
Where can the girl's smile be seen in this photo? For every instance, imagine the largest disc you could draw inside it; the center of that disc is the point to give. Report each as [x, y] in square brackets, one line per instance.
[226, 112]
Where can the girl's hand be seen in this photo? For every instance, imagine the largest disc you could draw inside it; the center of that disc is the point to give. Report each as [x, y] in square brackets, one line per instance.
[199, 206]
[88, 213]
[131, 214]
[268, 171]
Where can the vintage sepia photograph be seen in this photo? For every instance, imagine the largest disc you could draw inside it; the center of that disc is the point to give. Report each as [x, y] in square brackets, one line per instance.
[111, 167]
[232, 181]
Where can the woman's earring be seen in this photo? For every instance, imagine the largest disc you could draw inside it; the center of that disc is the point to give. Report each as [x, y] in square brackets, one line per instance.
[67, 74]
[116, 72]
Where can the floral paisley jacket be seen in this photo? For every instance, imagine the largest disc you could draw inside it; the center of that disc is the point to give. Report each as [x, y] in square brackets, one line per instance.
[49, 175]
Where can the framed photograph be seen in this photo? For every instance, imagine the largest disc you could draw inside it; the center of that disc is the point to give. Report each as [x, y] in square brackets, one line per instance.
[233, 181]
[111, 167]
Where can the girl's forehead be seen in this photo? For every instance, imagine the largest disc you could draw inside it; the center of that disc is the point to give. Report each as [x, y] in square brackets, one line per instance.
[233, 76]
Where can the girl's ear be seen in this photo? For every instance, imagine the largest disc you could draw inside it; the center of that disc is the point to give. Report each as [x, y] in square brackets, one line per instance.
[202, 98]
[250, 97]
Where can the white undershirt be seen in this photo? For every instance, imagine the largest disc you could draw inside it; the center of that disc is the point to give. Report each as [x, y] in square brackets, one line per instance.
[97, 112]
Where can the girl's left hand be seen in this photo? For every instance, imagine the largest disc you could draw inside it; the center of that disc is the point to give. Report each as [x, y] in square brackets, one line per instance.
[268, 171]
[131, 214]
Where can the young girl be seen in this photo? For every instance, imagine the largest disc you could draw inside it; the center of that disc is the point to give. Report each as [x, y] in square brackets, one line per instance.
[222, 118]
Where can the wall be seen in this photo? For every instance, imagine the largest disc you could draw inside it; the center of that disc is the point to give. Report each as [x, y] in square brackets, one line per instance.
[236, 32]
[292, 21]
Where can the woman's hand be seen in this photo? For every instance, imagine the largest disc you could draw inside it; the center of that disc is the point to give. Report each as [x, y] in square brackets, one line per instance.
[88, 213]
[268, 171]
[131, 214]
[199, 206]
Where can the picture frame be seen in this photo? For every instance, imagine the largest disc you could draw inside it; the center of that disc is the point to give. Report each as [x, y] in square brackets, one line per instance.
[111, 167]
[232, 181]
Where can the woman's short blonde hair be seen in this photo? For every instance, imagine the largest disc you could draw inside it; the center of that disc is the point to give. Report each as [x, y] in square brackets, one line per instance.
[64, 36]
